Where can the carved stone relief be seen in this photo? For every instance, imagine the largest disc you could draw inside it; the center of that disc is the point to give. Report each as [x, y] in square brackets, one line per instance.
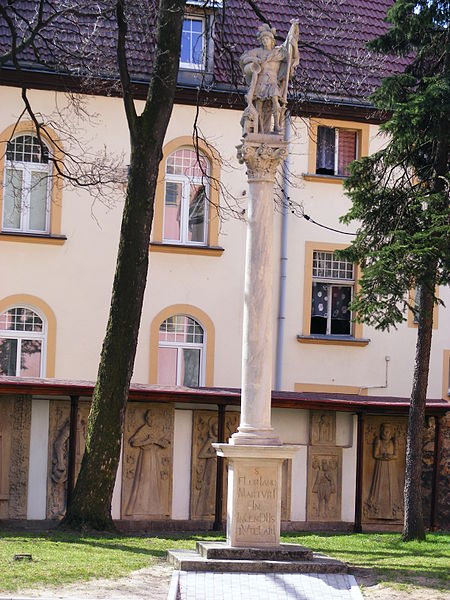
[324, 484]
[82, 419]
[323, 428]
[147, 461]
[384, 469]
[15, 427]
[58, 454]
[204, 461]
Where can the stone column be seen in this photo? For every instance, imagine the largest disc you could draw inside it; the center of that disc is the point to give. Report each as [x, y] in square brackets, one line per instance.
[262, 154]
[255, 453]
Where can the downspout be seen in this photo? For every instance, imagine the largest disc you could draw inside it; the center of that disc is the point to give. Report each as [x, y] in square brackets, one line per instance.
[283, 263]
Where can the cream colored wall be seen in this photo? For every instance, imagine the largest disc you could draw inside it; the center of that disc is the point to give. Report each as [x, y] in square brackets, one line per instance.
[37, 469]
[75, 279]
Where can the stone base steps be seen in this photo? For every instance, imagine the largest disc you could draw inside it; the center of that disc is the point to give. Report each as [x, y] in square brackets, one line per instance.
[220, 558]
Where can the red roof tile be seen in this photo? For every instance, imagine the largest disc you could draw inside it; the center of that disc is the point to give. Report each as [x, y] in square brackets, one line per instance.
[333, 60]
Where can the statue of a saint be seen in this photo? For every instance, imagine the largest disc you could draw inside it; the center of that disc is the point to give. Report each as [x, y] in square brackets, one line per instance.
[267, 71]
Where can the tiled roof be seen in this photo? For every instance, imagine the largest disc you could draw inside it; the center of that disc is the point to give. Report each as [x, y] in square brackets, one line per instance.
[214, 396]
[333, 60]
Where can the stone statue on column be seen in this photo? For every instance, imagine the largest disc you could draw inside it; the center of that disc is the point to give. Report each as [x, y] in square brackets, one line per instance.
[267, 71]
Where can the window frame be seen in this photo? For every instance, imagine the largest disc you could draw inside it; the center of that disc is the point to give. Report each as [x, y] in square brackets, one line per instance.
[185, 202]
[20, 336]
[211, 247]
[337, 131]
[355, 338]
[53, 143]
[362, 130]
[208, 334]
[412, 320]
[27, 168]
[184, 345]
[446, 375]
[190, 65]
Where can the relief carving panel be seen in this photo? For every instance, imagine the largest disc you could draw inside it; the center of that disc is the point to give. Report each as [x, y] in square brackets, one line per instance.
[204, 461]
[323, 428]
[15, 427]
[324, 484]
[384, 469]
[58, 453]
[147, 461]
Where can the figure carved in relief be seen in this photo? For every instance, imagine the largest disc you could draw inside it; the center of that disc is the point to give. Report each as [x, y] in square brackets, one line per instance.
[385, 496]
[146, 496]
[267, 71]
[325, 429]
[206, 472]
[324, 486]
[59, 457]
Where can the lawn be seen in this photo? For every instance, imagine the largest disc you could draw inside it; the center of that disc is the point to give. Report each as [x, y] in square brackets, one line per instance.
[60, 557]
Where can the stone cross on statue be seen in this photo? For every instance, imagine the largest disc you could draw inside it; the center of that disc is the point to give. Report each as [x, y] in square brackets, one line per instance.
[267, 71]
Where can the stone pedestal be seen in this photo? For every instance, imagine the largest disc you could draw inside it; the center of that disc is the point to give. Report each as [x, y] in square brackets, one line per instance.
[254, 493]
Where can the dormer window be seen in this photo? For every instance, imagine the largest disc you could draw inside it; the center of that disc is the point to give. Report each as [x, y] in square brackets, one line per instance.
[193, 43]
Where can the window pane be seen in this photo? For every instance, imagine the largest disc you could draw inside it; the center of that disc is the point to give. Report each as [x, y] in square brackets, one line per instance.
[325, 150]
[30, 358]
[167, 366]
[197, 210]
[197, 46]
[38, 201]
[346, 150]
[181, 329]
[340, 314]
[319, 308]
[8, 357]
[327, 266]
[172, 210]
[20, 319]
[190, 367]
[12, 199]
[185, 55]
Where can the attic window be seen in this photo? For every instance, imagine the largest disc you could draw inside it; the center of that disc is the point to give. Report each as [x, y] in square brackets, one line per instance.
[193, 43]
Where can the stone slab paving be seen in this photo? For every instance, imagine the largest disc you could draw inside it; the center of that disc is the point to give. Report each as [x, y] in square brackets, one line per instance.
[194, 585]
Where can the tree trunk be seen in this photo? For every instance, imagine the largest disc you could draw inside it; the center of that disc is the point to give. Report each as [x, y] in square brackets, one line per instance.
[413, 523]
[91, 504]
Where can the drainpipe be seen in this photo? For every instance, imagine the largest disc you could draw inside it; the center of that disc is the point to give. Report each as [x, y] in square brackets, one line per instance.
[283, 263]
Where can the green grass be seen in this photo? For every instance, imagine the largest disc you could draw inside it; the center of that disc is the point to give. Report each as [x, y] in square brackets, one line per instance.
[385, 556]
[61, 557]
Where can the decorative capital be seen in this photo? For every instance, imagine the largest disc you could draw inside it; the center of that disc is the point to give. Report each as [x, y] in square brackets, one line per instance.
[262, 158]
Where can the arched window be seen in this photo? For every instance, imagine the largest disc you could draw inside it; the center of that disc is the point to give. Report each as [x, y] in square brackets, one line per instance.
[181, 352]
[186, 198]
[22, 343]
[26, 189]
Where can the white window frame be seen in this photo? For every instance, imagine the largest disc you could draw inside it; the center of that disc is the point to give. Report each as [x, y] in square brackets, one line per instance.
[27, 168]
[331, 282]
[182, 345]
[184, 210]
[190, 65]
[336, 147]
[13, 334]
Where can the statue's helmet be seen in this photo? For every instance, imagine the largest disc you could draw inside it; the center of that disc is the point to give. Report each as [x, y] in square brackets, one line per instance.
[266, 31]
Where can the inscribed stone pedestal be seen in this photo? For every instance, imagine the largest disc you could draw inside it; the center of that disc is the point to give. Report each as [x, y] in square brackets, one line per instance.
[383, 469]
[147, 461]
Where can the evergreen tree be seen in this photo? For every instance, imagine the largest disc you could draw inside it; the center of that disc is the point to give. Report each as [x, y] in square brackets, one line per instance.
[400, 197]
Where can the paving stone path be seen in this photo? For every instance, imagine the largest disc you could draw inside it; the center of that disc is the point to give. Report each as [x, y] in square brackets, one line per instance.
[194, 585]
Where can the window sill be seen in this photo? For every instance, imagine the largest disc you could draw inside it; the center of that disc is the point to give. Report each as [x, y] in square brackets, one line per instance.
[33, 238]
[336, 340]
[324, 178]
[186, 249]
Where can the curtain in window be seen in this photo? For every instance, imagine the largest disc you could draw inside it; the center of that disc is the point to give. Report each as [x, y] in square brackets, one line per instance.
[326, 139]
[346, 150]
